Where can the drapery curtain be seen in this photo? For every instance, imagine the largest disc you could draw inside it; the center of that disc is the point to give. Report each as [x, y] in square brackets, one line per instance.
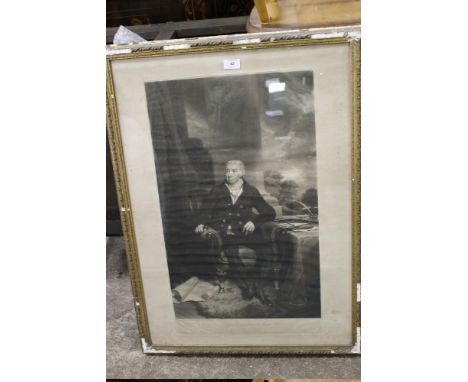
[168, 128]
[184, 172]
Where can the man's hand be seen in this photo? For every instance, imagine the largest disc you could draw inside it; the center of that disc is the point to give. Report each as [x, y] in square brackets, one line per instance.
[199, 228]
[249, 227]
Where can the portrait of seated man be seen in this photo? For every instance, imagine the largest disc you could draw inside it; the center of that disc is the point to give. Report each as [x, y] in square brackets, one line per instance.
[231, 216]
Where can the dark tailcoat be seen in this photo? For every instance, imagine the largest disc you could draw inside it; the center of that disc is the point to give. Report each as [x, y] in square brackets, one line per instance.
[219, 212]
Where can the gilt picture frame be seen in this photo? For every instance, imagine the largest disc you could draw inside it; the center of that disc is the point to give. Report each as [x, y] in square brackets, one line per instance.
[237, 166]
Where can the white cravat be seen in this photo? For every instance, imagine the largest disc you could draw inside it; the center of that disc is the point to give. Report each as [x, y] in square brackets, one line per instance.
[235, 194]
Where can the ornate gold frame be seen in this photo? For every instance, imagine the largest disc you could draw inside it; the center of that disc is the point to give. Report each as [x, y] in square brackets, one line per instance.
[348, 35]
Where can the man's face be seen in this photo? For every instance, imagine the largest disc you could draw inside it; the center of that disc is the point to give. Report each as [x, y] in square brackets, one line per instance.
[233, 173]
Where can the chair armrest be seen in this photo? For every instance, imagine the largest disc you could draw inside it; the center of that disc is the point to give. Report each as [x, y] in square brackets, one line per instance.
[213, 238]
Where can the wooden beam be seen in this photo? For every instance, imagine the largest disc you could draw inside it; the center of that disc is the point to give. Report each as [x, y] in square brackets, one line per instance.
[183, 29]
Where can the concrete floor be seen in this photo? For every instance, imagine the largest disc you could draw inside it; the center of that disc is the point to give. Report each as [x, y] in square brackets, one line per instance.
[125, 359]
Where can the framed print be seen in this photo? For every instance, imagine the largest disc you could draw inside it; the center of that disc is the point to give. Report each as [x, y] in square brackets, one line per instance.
[237, 169]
